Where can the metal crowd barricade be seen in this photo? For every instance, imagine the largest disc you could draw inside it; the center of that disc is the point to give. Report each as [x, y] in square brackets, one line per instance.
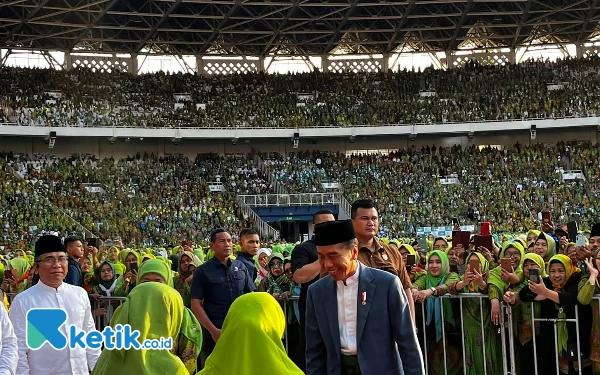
[555, 322]
[508, 362]
[285, 309]
[103, 320]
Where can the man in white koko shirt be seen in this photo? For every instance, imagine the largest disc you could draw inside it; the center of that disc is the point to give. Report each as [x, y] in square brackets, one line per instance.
[51, 263]
[8, 344]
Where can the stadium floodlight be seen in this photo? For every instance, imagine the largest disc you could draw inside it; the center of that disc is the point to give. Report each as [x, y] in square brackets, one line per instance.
[533, 132]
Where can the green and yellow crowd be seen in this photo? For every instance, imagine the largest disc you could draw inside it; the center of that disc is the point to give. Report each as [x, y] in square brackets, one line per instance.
[81, 97]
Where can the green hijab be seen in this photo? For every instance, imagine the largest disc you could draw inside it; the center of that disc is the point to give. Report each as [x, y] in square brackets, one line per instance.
[175, 250]
[434, 306]
[21, 265]
[551, 246]
[254, 320]
[537, 260]
[155, 310]
[199, 253]
[496, 274]
[174, 259]
[156, 266]
[108, 254]
[190, 328]
[434, 281]
[123, 256]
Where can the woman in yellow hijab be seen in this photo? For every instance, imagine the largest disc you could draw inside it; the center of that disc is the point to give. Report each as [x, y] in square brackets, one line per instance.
[557, 295]
[522, 314]
[19, 268]
[155, 310]
[126, 282]
[189, 341]
[254, 326]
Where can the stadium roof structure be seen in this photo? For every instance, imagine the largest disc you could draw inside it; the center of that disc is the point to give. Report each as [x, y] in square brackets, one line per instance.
[291, 27]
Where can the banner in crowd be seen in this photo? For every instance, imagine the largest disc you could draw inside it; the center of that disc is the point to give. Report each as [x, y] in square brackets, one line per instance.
[442, 231]
[217, 188]
[573, 175]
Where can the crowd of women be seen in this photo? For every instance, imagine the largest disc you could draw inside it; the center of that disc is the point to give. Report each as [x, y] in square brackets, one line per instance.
[541, 274]
[167, 199]
[119, 272]
[81, 97]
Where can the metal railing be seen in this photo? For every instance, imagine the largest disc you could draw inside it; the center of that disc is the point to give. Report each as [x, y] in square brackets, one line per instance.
[110, 304]
[506, 330]
[266, 231]
[345, 206]
[230, 127]
[306, 199]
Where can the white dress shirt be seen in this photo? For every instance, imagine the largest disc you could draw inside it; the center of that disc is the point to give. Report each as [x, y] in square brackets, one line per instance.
[47, 360]
[347, 301]
[9, 353]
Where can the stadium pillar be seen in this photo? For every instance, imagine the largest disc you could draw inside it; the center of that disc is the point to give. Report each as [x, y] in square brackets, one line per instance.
[512, 56]
[68, 64]
[385, 64]
[199, 65]
[261, 64]
[133, 64]
[324, 64]
[449, 60]
[579, 50]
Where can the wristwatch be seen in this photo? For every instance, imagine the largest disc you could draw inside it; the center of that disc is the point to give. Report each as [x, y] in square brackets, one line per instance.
[434, 291]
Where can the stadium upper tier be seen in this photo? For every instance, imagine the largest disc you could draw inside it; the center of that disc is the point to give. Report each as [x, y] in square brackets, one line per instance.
[474, 93]
[147, 199]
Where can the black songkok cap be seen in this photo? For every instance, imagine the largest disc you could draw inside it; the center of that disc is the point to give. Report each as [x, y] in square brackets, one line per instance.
[334, 232]
[48, 244]
[595, 230]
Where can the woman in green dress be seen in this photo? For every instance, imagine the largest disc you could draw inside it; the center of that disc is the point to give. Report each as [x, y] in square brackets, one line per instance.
[587, 288]
[521, 313]
[475, 340]
[155, 310]
[425, 288]
[188, 342]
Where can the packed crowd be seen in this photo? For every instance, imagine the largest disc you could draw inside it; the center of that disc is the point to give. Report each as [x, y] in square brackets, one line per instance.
[147, 198]
[473, 93]
[541, 265]
[406, 184]
[299, 172]
[25, 214]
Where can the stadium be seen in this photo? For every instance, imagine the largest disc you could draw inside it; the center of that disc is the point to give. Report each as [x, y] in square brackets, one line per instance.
[146, 125]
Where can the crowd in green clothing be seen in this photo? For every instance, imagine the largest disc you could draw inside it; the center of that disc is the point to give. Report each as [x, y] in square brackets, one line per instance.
[148, 199]
[81, 97]
[465, 336]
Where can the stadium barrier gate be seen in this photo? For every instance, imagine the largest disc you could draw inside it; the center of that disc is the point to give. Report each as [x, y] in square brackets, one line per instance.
[506, 329]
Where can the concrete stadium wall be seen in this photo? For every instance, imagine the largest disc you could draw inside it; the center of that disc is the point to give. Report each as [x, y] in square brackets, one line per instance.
[101, 147]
